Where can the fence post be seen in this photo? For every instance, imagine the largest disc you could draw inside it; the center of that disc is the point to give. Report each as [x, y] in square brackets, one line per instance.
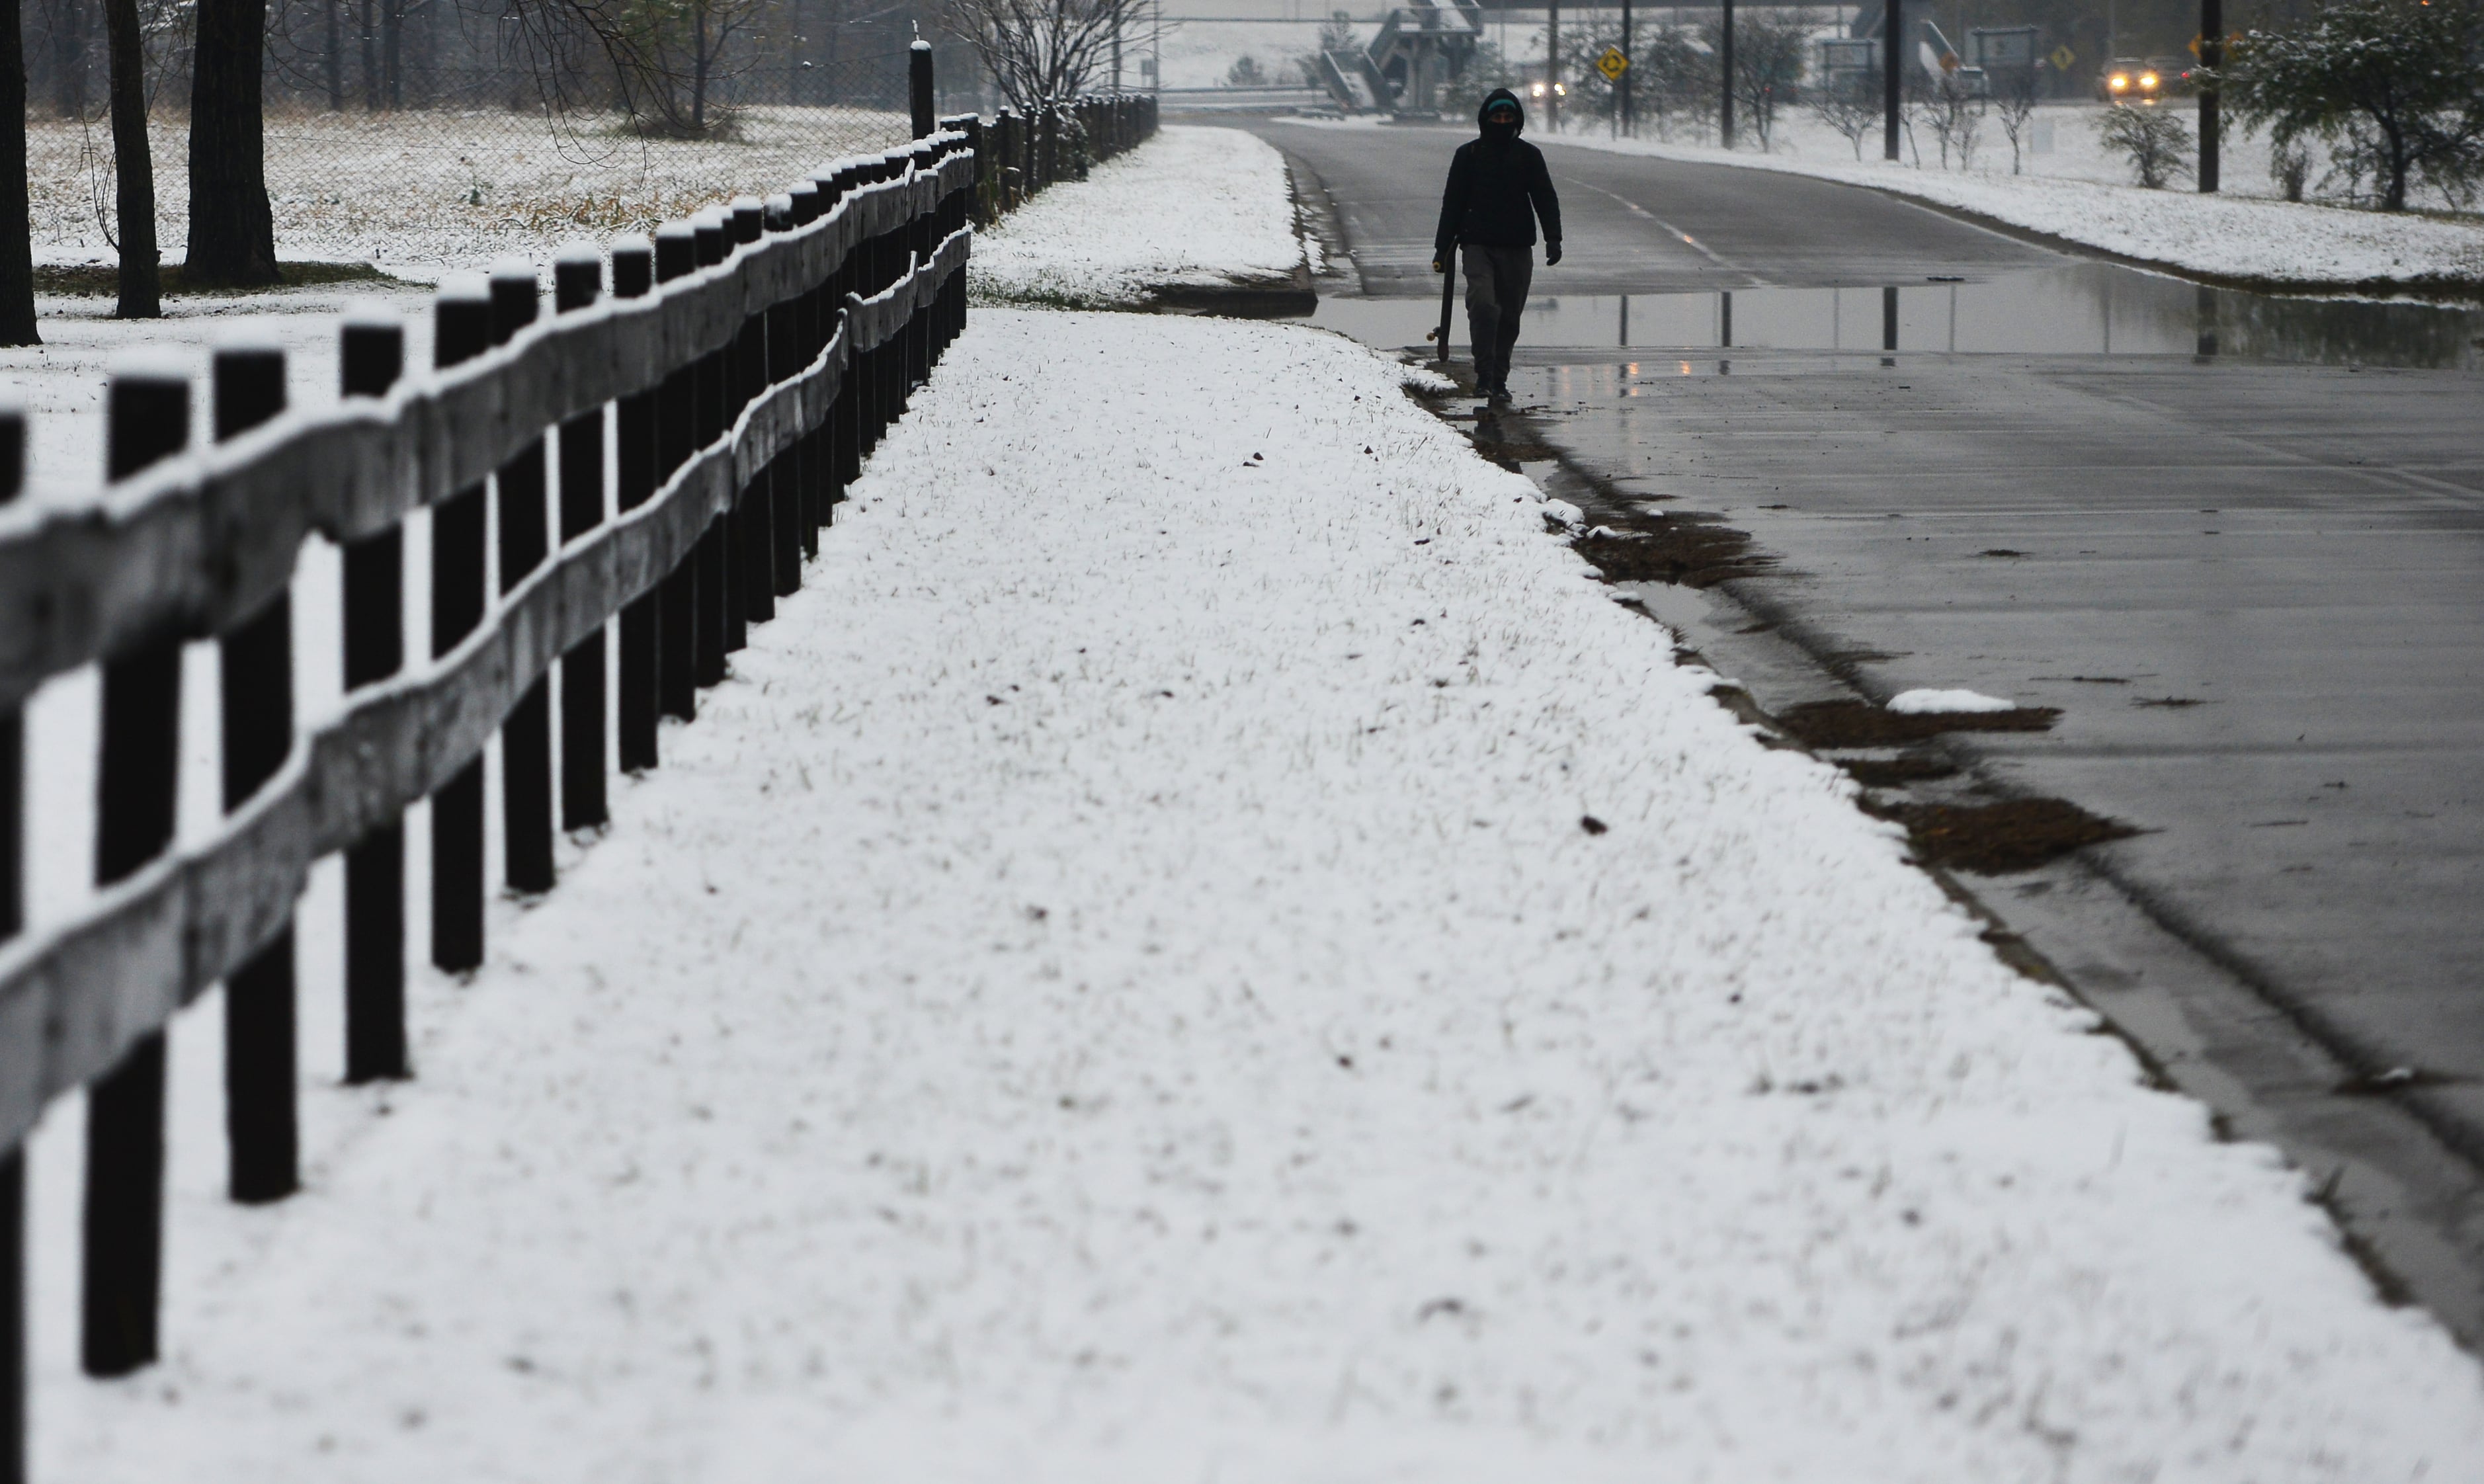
[677, 436]
[577, 282]
[525, 735]
[720, 587]
[370, 359]
[1004, 146]
[257, 686]
[138, 770]
[634, 274]
[811, 509]
[918, 75]
[754, 513]
[461, 330]
[783, 474]
[12, 918]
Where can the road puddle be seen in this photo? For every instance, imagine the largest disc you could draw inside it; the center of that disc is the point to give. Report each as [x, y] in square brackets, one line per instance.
[2081, 308]
[1999, 839]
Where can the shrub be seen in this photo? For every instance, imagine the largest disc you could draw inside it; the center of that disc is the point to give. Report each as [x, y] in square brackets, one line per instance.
[2156, 140]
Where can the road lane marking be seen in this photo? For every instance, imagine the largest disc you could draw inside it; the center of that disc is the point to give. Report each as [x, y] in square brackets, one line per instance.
[1693, 243]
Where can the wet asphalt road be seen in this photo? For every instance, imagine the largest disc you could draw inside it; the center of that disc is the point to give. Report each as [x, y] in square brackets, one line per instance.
[2254, 589]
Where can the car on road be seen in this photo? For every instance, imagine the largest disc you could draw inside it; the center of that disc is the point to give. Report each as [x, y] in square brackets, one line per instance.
[2131, 80]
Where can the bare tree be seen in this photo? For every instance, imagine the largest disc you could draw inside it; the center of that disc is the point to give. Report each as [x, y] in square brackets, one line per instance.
[2014, 103]
[1848, 103]
[1041, 52]
[1767, 66]
[133, 165]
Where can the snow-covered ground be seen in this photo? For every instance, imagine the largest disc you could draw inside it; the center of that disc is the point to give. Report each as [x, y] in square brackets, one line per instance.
[423, 193]
[1190, 207]
[2075, 192]
[416, 194]
[1202, 945]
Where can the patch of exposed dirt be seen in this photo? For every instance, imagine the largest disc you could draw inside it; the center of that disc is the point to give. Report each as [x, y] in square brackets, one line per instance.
[2018, 834]
[1837, 724]
[1917, 767]
[1689, 549]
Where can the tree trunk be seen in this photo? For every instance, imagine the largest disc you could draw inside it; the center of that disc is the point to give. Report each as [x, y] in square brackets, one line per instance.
[132, 163]
[70, 27]
[394, 23]
[233, 233]
[698, 78]
[371, 59]
[16, 244]
[335, 56]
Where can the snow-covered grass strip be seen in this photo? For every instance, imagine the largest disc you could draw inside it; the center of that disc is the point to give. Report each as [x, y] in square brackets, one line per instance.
[2237, 238]
[425, 192]
[1201, 945]
[1192, 207]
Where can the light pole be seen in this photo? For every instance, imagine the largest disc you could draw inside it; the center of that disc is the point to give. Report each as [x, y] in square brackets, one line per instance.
[1889, 65]
[1629, 125]
[1725, 67]
[2212, 55]
[1552, 67]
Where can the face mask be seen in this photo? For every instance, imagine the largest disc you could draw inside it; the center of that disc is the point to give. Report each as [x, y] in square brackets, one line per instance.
[1500, 130]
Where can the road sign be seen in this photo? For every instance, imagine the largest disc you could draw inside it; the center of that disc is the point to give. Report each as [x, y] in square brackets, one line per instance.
[2062, 59]
[1612, 63]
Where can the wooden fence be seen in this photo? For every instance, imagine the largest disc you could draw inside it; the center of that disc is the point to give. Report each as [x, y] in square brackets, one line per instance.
[1020, 155]
[746, 363]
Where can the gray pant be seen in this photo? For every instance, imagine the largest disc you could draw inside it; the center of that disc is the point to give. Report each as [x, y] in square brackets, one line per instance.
[1496, 281]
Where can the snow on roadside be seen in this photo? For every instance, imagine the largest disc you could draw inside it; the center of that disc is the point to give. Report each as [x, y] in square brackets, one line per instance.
[1192, 207]
[2246, 238]
[2234, 237]
[1122, 986]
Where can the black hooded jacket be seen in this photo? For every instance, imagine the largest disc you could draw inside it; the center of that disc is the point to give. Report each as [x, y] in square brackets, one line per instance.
[1497, 189]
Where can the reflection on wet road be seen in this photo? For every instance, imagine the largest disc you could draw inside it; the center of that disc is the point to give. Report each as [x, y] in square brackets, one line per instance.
[2076, 308]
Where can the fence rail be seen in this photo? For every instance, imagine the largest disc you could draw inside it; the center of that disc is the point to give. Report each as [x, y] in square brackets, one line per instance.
[745, 364]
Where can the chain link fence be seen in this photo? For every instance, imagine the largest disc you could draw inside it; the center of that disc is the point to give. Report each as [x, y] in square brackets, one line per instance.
[419, 135]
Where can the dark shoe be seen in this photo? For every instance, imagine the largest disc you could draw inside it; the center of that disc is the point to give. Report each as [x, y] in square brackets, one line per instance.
[1500, 391]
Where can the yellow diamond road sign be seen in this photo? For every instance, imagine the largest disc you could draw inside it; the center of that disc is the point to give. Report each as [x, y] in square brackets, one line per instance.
[2063, 57]
[1612, 63]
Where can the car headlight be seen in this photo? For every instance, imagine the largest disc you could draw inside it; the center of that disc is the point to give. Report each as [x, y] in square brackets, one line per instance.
[2118, 83]
[2147, 80]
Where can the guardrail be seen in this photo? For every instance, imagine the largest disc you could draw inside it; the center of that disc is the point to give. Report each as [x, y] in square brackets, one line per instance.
[746, 363]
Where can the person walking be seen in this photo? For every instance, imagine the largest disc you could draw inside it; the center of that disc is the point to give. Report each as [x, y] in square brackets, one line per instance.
[1499, 189]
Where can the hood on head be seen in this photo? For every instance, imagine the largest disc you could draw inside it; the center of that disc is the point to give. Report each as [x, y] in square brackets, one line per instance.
[1499, 94]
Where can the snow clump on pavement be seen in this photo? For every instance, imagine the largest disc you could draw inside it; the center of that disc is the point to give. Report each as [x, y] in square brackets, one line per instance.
[1203, 944]
[1921, 702]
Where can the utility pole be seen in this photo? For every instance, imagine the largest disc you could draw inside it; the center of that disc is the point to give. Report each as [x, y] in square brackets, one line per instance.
[1553, 67]
[1889, 75]
[1629, 125]
[1725, 69]
[2212, 55]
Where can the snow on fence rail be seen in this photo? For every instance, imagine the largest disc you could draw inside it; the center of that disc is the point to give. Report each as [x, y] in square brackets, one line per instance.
[748, 361]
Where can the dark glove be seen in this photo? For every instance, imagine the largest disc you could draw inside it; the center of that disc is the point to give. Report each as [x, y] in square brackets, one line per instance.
[1552, 254]
[1437, 267]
